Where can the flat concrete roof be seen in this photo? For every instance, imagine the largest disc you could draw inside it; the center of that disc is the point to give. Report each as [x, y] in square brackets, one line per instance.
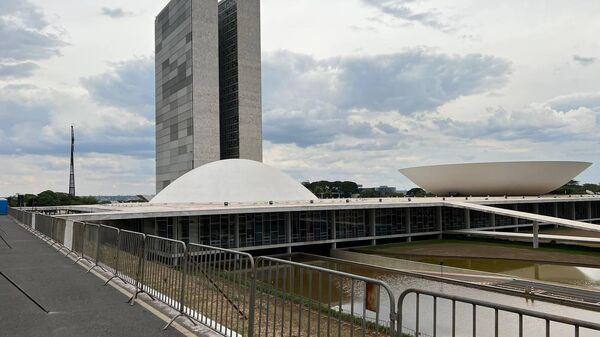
[147, 210]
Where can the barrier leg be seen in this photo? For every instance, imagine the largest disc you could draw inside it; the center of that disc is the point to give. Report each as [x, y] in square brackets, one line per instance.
[176, 317]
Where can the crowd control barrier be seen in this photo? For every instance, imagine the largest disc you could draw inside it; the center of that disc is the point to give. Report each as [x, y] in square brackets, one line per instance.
[237, 295]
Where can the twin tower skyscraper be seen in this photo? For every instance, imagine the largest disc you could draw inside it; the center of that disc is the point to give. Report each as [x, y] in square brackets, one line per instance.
[208, 85]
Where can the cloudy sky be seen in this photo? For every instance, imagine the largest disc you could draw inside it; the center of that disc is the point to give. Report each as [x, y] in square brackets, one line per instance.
[353, 89]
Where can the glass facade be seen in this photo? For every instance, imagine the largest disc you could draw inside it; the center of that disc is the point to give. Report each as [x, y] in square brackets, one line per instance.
[311, 226]
[267, 229]
[229, 80]
[390, 221]
[350, 224]
[565, 210]
[581, 210]
[423, 220]
[546, 209]
[480, 219]
[453, 218]
[262, 229]
[595, 209]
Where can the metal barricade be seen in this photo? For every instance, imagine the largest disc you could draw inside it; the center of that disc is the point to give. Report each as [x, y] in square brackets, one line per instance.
[219, 289]
[295, 299]
[470, 317]
[129, 257]
[44, 225]
[77, 243]
[58, 233]
[107, 248]
[164, 271]
[90, 243]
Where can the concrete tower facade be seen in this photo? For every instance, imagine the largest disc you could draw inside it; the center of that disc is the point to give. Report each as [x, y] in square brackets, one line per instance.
[208, 103]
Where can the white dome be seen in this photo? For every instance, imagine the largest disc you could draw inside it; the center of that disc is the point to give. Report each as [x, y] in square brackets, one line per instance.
[234, 180]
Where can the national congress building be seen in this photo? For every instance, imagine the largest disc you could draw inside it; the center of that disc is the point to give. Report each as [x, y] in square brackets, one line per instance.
[208, 85]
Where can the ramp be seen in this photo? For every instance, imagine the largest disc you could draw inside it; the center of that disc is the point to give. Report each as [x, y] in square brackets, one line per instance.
[524, 215]
[509, 235]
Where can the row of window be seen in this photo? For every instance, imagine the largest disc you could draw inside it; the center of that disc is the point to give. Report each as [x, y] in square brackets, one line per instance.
[264, 229]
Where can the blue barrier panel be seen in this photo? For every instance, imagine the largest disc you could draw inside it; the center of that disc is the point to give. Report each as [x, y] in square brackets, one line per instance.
[3, 207]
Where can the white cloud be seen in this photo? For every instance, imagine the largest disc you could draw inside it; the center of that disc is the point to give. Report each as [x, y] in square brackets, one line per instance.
[390, 83]
[95, 174]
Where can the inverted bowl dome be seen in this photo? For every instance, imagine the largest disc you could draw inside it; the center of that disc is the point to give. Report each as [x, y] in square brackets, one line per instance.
[234, 180]
[495, 179]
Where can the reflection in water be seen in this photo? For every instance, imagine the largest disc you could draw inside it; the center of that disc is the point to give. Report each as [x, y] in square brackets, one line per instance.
[579, 276]
[464, 313]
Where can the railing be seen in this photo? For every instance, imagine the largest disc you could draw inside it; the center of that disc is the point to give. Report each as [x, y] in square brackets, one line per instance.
[219, 289]
[295, 299]
[505, 320]
[77, 243]
[232, 294]
[164, 272]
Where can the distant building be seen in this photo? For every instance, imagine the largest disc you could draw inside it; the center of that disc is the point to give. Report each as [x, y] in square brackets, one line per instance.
[382, 190]
[208, 101]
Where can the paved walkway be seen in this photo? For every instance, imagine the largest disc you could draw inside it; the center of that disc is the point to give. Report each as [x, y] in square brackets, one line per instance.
[77, 302]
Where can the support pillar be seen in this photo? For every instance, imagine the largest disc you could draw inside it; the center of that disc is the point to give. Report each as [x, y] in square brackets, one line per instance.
[492, 220]
[556, 212]
[440, 221]
[333, 230]
[68, 236]
[372, 226]
[408, 229]
[536, 230]
[468, 218]
[33, 220]
[573, 211]
[288, 231]
[236, 230]
[589, 211]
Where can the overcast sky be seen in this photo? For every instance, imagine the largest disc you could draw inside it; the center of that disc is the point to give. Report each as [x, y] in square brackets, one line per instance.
[353, 89]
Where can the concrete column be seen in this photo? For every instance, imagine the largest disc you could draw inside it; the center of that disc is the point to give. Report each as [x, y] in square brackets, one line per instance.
[515, 220]
[333, 230]
[408, 229]
[468, 218]
[589, 211]
[555, 212]
[536, 230]
[372, 226]
[492, 220]
[440, 221]
[288, 231]
[68, 239]
[33, 220]
[573, 212]
[236, 230]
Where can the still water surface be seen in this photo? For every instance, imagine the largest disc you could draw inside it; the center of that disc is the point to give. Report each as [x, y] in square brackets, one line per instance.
[579, 276]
